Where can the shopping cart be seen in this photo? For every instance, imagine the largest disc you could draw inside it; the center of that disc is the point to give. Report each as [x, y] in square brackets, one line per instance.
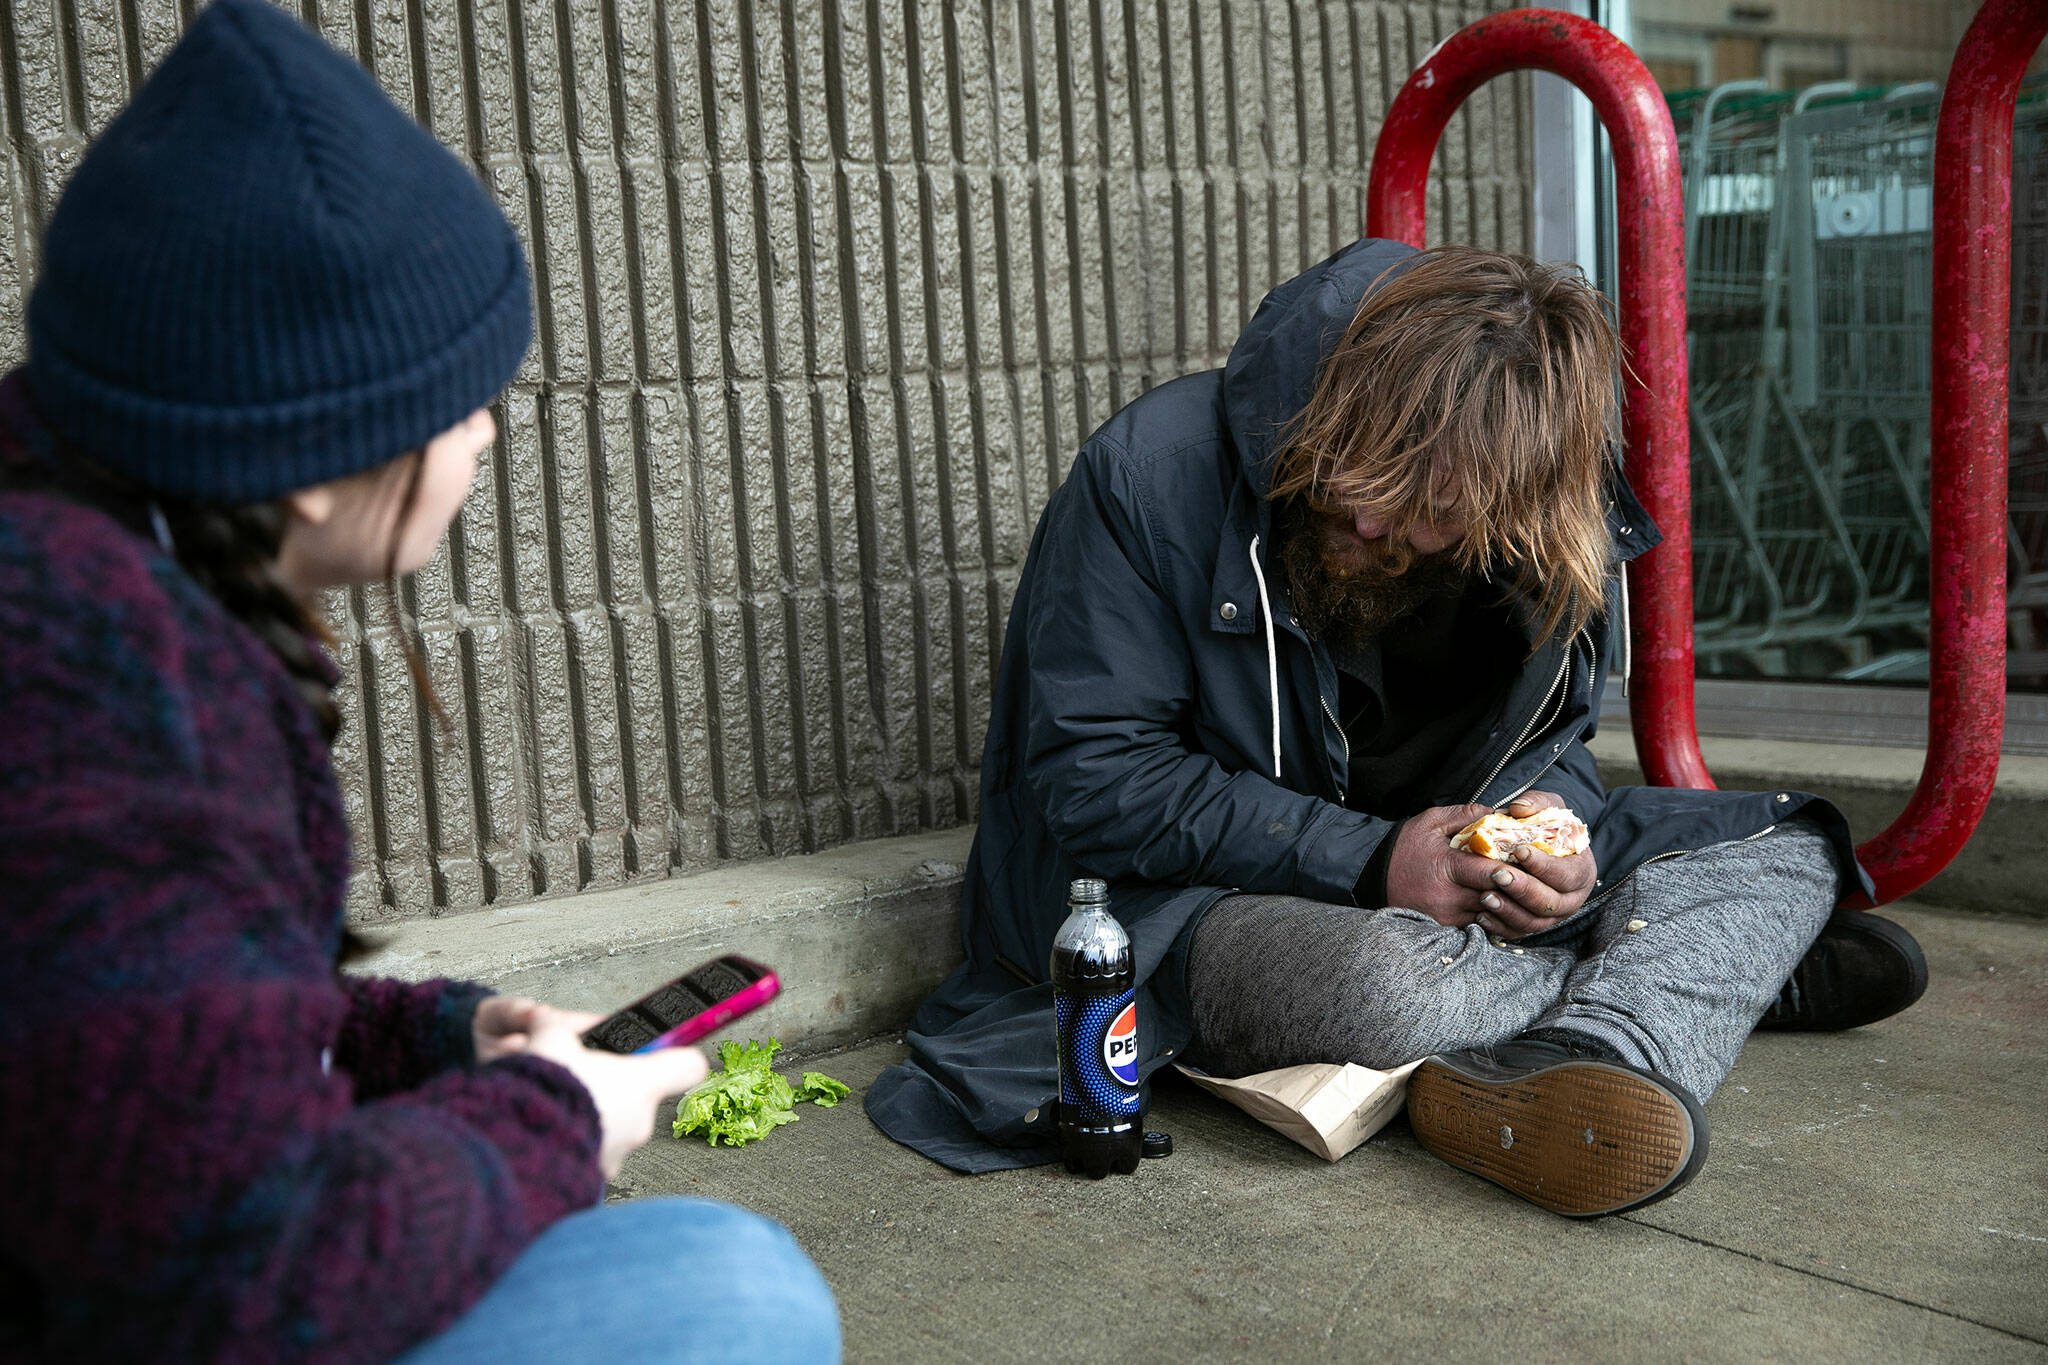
[1775, 548]
[2027, 602]
[1831, 469]
[1728, 152]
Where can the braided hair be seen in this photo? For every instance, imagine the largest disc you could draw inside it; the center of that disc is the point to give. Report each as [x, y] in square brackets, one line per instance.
[229, 551]
[232, 552]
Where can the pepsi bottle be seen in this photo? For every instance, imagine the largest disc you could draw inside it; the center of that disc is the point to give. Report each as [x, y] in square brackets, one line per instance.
[1095, 1003]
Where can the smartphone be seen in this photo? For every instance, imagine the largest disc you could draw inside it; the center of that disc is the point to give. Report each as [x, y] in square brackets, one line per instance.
[687, 1008]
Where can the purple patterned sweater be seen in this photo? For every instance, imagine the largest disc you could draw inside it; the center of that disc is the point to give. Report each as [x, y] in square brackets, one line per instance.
[213, 1147]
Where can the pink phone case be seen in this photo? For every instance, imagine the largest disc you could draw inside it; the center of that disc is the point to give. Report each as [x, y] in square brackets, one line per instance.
[696, 1026]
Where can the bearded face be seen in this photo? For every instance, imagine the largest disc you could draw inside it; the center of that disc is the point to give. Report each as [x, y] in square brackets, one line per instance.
[1347, 590]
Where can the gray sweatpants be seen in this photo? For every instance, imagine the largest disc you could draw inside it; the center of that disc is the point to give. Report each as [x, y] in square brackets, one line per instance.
[1672, 967]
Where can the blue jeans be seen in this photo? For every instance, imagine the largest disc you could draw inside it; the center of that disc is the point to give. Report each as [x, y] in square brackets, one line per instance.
[649, 1280]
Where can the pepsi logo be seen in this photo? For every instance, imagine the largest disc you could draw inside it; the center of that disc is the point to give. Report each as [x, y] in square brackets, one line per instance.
[1120, 1045]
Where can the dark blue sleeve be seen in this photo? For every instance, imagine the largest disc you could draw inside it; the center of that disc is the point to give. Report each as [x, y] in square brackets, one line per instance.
[1106, 758]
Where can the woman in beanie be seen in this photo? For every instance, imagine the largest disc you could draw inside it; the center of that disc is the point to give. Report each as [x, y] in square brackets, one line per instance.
[270, 315]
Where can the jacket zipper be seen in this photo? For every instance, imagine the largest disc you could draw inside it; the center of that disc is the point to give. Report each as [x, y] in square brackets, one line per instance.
[1343, 783]
[1541, 717]
[1556, 752]
[1658, 858]
[1544, 713]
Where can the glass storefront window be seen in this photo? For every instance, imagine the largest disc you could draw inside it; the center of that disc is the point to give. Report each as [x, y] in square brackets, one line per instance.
[1806, 131]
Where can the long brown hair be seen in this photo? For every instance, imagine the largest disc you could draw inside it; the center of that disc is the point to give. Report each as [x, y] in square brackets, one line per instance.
[1482, 382]
[415, 663]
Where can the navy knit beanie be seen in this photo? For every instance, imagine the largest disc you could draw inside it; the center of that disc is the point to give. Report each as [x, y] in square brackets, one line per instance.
[264, 275]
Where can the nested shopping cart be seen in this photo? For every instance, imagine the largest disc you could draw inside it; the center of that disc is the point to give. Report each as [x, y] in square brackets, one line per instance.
[1809, 365]
[1971, 291]
[1807, 294]
[1858, 363]
[1728, 148]
[2028, 604]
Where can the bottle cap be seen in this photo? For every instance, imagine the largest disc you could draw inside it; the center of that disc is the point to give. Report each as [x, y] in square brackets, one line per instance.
[1156, 1144]
[1088, 891]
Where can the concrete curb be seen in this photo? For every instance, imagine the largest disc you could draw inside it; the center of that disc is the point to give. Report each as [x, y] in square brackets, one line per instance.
[1997, 871]
[859, 934]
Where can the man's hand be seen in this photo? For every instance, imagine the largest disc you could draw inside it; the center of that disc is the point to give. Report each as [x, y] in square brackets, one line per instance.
[1425, 873]
[1540, 891]
[1531, 803]
[1457, 888]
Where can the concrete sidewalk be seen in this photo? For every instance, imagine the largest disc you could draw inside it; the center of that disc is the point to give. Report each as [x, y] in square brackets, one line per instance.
[1877, 1195]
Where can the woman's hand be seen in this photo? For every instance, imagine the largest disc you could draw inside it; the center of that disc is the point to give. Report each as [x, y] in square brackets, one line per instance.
[503, 1023]
[626, 1090]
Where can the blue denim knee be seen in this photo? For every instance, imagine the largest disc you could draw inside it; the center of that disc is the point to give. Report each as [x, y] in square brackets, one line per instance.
[658, 1278]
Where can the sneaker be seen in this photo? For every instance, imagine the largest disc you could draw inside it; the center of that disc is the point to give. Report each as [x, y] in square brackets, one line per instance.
[1562, 1127]
[1861, 969]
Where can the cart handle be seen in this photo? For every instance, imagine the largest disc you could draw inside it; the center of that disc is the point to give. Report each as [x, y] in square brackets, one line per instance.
[1652, 306]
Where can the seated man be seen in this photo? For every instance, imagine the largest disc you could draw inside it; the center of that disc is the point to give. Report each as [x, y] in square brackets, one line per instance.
[1282, 632]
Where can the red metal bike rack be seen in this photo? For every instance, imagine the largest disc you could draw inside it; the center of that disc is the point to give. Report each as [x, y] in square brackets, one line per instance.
[1967, 514]
[1972, 263]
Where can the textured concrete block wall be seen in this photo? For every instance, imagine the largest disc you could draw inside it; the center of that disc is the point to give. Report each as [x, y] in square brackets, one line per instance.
[828, 293]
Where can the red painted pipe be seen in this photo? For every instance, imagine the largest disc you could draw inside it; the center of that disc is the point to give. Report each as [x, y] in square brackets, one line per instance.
[1652, 259]
[1967, 521]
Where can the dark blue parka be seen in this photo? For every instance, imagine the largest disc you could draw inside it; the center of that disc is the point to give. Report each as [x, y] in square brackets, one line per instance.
[1160, 720]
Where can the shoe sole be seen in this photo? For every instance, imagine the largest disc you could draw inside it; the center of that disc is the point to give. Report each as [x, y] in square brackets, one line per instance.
[1582, 1138]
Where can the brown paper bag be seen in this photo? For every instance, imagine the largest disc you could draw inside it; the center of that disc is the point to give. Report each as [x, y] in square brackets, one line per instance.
[1325, 1107]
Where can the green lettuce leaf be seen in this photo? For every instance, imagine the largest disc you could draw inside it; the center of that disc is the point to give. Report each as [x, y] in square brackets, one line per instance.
[752, 1056]
[748, 1099]
[822, 1090]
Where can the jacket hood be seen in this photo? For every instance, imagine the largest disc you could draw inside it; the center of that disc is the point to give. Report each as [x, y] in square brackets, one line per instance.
[1273, 367]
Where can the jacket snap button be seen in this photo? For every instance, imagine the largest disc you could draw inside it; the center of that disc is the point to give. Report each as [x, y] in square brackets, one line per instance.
[1625, 530]
[1228, 611]
[1783, 797]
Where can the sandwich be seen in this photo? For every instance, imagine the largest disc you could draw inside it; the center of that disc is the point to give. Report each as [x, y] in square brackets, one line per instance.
[1556, 832]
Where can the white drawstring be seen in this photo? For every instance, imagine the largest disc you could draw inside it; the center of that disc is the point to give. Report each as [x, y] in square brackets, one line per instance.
[1272, 656]
[1627, 645]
